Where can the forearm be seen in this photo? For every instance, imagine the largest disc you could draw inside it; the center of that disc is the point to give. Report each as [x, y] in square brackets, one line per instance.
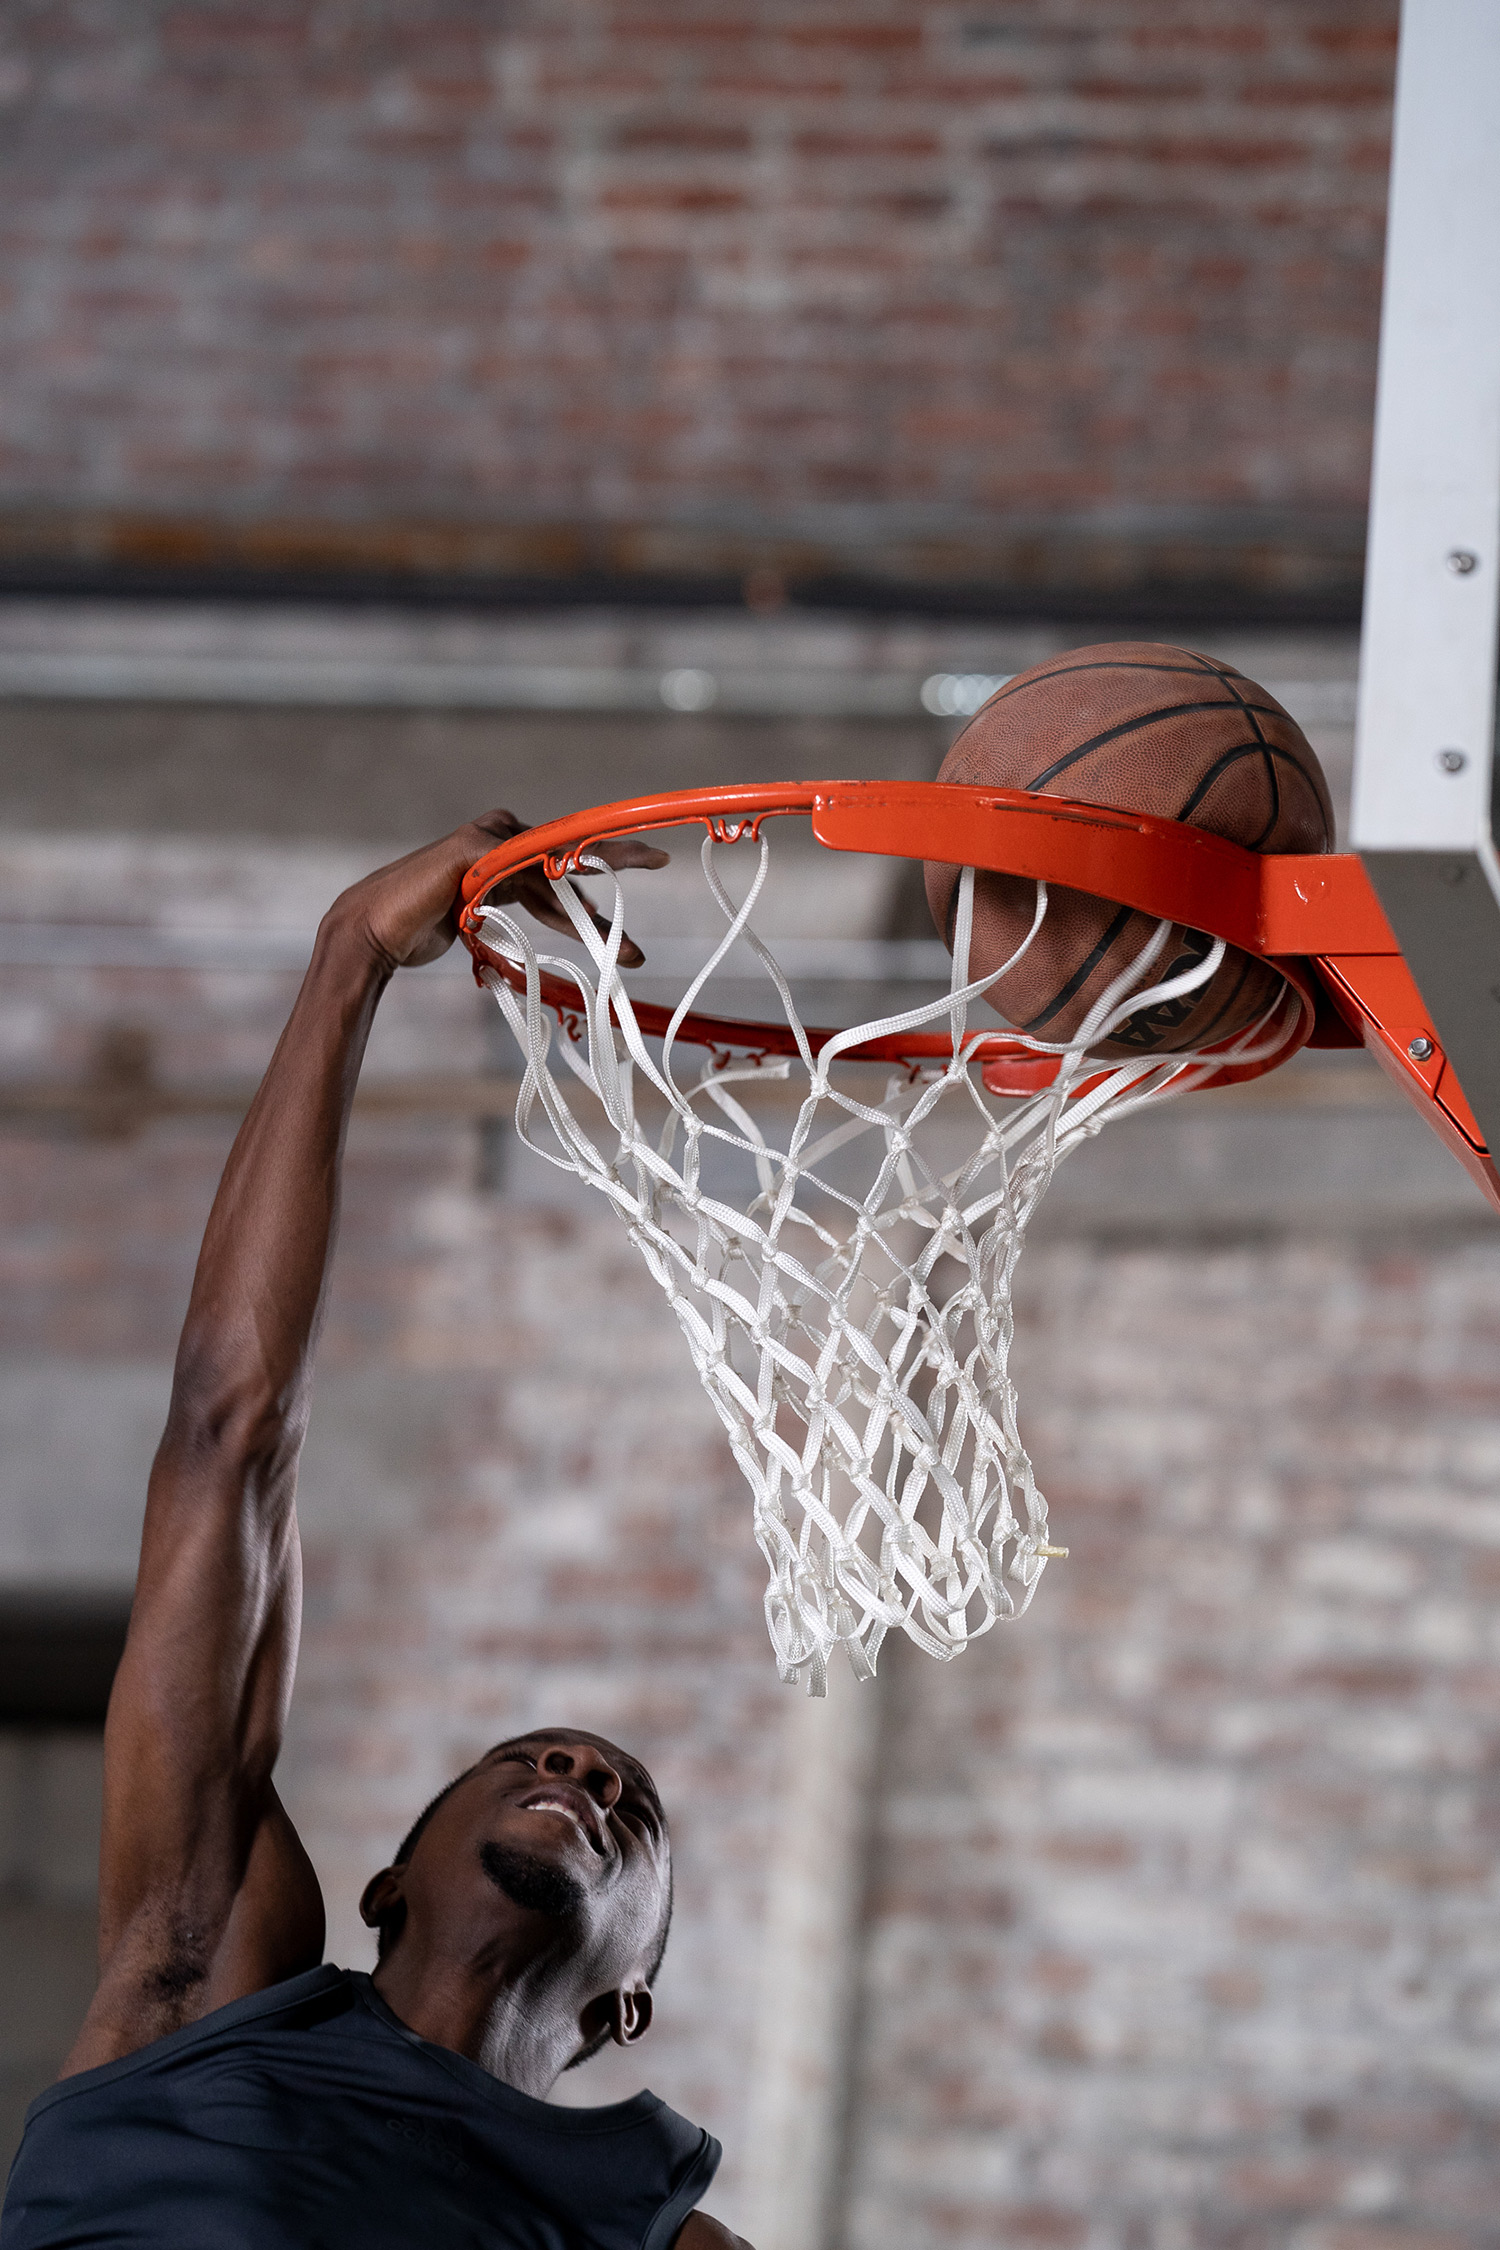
[244, 1363]
[204, 1890]
[200, 1697]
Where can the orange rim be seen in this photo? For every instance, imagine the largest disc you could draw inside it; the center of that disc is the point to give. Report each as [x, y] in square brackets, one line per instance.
[1166, 868]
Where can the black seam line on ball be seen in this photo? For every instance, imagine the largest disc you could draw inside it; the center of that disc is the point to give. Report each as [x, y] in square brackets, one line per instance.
[1082, 973]
[1228, 675]
[1268, 764]
[1317, 793]
[1269, 750]
[1114, 664]
[1221, 765]
[1066, 671]
[1116, 734]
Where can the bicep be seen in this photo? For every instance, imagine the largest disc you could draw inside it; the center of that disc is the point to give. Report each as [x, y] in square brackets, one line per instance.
[160, 1975]
[203, 1882]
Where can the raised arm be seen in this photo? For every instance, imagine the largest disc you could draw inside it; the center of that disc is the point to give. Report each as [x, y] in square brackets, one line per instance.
[205, 1890]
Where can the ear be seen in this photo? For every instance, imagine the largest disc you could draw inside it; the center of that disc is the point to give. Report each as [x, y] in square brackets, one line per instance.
[632, 2016]
[383, 1899]
[623, 2017]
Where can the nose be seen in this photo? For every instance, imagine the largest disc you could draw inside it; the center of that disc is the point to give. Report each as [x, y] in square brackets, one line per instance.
[581, 1763]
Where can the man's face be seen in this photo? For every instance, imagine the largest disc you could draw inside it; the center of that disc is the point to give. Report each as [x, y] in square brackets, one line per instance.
[560, 1825]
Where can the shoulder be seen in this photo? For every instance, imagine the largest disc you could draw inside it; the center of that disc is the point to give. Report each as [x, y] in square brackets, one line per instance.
[294, 2006]
[700, 2232]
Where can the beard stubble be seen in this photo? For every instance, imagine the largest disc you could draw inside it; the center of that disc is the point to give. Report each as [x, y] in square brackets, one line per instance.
[532, 1882]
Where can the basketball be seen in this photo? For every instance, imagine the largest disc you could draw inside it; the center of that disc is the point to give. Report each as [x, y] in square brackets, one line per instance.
[1143, 728]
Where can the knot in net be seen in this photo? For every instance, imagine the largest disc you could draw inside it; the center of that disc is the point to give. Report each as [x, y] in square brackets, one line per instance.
[840, 1255]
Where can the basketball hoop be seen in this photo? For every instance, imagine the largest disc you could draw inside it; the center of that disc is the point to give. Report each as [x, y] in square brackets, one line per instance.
[847, 1300]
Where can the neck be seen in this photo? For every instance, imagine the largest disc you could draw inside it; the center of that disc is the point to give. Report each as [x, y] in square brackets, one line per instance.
[513, 2019]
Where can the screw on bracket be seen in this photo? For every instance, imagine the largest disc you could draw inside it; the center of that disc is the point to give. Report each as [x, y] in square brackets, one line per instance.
[1421, 1050]
[1462, 561]
[1453, 761]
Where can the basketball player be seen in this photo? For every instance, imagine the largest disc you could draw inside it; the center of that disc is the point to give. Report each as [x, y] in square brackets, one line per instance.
[226, 2089]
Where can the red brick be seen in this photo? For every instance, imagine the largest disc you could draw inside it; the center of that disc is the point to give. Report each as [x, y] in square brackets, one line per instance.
[497, 187]
[683, 137]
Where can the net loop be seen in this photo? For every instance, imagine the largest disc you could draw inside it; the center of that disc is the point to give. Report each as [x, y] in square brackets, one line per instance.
[840, 1257]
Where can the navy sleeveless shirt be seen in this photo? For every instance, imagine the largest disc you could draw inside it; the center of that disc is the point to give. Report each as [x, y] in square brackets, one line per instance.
[309, 2118]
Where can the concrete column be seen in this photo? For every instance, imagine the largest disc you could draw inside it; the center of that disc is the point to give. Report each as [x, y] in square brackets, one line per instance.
[810, 1959]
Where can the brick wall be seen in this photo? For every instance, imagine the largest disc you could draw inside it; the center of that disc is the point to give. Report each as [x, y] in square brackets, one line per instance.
[1179, 1913]
[1180, 1918]
[1212, 1848]
[1057, 294]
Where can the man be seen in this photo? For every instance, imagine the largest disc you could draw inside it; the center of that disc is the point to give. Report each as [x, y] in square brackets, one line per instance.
[225, 2089]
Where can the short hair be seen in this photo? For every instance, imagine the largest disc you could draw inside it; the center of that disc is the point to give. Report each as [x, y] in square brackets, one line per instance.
[408, 1843]
[385, 1936]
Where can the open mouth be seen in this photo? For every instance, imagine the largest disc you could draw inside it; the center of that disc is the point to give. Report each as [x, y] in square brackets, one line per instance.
[573, 1806]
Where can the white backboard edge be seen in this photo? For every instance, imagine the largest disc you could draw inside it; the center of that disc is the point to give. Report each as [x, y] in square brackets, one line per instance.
[1425, 756]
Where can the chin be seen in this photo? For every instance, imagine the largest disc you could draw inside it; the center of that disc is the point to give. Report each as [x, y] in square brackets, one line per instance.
[540, 1881]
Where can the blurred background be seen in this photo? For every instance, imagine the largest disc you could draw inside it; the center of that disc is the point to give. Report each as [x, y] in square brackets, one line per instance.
[411, 406]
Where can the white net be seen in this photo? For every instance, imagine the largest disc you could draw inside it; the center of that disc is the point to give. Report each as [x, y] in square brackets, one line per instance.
[840, 1256]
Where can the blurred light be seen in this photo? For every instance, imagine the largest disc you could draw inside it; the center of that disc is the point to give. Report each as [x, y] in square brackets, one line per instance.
[688, 689]
[958, 695]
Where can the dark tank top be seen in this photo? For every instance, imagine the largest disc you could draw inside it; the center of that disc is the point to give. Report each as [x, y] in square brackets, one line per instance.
[309, 2118]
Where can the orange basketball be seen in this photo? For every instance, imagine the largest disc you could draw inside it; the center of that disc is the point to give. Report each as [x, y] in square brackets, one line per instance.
[1147, 729]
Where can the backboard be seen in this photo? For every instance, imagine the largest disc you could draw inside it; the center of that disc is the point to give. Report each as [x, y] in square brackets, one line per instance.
[1423, 817]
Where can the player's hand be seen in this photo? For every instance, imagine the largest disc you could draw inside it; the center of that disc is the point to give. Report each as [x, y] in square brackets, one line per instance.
[407, 913]
[532, 890]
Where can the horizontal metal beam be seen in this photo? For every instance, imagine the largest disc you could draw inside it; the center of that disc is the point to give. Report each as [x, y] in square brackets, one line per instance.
[273, 952]
[121, 676]
[120, 1108]
[182, 653]
[106, 1111]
